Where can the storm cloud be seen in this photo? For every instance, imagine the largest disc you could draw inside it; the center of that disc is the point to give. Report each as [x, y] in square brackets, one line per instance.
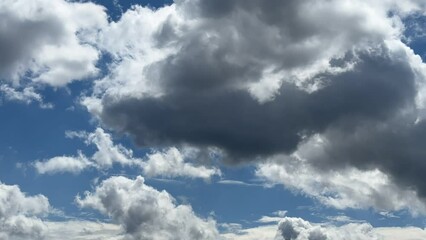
[257, 79]
[237, 123]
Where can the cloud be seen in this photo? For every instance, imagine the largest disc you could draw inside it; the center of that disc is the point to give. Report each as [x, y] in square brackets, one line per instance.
[341, 188]
[239, 183]
[299, 229]
[168, 163]
[84, 230]
[106, 155]
[146, 213]
[204, 84]
[257, 79]
[62, 164]
[267, 232]
[19, 214]
[291, 228]
[47, 43]
[171, 163]
[26, 95]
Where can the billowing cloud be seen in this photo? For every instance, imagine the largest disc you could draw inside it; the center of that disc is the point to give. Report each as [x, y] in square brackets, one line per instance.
[291, 228]
[19, 214]
[47, 43]
[146, 213]
[342, 188]
[299, 229]
[202, 78]
[256, 79]
[169, 163]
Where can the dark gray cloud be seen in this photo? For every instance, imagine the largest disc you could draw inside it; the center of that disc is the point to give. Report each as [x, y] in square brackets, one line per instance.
[396, 147]
[258, 78]
[237, 123]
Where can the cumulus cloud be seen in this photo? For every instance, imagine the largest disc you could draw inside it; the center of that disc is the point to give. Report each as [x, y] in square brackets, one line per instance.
[256, 79]
[19, 214]
[106, 155]
[203, 60]
[46, 42]
[341, 188]
[22, 217]
[291, 228]
[168, 163]
[146, 213]
[299, 229]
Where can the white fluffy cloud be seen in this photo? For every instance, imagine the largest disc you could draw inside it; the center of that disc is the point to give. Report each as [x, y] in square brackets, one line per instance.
[47, 42]
[168, 163]
[146, 213]
[19, 214]
[63, 164]
[299, 229]
[344, 188]
[291, 228]
[304, 52]
[171, 163]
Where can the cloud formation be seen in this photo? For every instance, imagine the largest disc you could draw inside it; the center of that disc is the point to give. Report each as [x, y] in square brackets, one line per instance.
[346, 187]
[45, 42]
[291, 228]
[208, 85]
[299, 229]
[168, 163]
[19, 214]
[256, 79]
[146, 213]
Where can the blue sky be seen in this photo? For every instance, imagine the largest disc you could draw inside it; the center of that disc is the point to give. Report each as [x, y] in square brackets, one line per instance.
[309, 114]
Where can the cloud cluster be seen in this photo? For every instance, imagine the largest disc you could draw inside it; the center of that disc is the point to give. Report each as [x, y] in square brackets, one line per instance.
[168, 163]
[326, 96]
[251, 78]
[19, 214]
[291, 228]
[146, 213]
[257, 79]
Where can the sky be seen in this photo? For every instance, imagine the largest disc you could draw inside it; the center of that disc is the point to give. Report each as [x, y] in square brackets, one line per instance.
[212, 119]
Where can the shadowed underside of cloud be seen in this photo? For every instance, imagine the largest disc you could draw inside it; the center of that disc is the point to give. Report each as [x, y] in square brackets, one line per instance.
[257, 79]
[146, 213]
[235, 122]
